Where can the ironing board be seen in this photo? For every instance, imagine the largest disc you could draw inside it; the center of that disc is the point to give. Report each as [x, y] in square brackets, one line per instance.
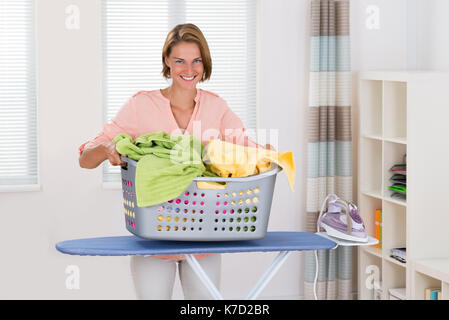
[282, 242]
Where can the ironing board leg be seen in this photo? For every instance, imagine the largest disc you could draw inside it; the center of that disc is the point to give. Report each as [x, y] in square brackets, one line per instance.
[196, 267]
[269, 273]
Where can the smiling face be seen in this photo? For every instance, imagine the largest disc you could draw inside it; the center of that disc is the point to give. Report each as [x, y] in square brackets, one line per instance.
[186, 66]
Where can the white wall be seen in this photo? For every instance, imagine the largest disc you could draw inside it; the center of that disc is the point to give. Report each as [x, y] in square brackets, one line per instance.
[72, 202]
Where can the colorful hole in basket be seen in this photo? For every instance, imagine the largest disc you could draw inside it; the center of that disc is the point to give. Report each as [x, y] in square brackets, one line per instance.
[231, 211]
[246, 210]
[187, 193]
[178, 201]
[256, 190]
[218, 203]
[202, 203]
[239, 210]
[194, 202]
[218, 195]
[254, 209]
[177, 210]
[186, 201]
[216, 211]
[201, 211]
[224, 211]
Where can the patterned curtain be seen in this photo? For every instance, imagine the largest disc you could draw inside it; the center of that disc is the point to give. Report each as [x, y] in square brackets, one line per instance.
[329, 141]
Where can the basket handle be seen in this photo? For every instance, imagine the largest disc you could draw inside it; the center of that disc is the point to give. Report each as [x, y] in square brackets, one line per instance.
[125, 160]
[211, 185]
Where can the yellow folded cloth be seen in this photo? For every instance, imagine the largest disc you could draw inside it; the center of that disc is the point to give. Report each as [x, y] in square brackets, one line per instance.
[232, 160]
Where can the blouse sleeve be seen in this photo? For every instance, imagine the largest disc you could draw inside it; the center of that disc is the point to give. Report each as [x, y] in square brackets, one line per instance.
[124, 122]
[233, 131]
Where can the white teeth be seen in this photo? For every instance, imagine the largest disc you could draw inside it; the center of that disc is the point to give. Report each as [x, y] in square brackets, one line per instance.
[188, 79]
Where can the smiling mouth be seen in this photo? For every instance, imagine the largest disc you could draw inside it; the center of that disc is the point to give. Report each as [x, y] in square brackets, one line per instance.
[188, 78]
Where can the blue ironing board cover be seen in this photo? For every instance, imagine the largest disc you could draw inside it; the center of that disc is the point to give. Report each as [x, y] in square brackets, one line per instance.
[132, 245]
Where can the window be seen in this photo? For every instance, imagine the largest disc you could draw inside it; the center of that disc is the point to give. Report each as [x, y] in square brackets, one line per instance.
[18, 143]
[133, 36]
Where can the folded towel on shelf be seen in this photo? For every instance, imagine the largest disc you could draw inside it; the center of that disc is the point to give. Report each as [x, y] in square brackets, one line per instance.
[399, 178]
[166, 166]
[398, 188]
[232, 160]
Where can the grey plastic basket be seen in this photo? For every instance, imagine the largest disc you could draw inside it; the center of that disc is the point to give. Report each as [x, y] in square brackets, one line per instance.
[238, 212]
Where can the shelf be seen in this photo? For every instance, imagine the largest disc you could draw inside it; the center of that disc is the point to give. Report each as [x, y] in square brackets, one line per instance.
[372, 137]
[404, 113]
[435, 268]
[373, 251]
[400, 140]
[392, 260]
[374, 194]
[399, 202]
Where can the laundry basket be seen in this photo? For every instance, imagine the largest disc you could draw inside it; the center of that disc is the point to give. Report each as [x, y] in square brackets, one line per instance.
[238, 210]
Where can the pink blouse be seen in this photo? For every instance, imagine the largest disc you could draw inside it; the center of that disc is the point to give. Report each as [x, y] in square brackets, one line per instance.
[149, 111]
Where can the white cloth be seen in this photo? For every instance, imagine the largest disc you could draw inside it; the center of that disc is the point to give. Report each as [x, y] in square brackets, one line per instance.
[154, 278]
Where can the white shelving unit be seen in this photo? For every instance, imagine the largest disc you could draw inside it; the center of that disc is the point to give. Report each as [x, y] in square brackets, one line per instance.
[405, 112]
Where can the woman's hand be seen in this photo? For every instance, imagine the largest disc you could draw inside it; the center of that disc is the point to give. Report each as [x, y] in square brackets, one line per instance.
[112, 154]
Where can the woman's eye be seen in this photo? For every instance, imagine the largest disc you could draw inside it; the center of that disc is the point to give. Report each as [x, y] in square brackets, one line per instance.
[198, 61]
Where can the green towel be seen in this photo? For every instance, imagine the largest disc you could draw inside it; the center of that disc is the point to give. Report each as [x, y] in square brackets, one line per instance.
[398, 188]
[166, 165]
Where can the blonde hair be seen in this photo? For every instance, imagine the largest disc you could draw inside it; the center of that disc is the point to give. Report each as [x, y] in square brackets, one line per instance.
[187, 32]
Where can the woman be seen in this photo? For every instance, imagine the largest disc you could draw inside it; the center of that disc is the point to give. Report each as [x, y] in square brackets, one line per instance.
[180, 108]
